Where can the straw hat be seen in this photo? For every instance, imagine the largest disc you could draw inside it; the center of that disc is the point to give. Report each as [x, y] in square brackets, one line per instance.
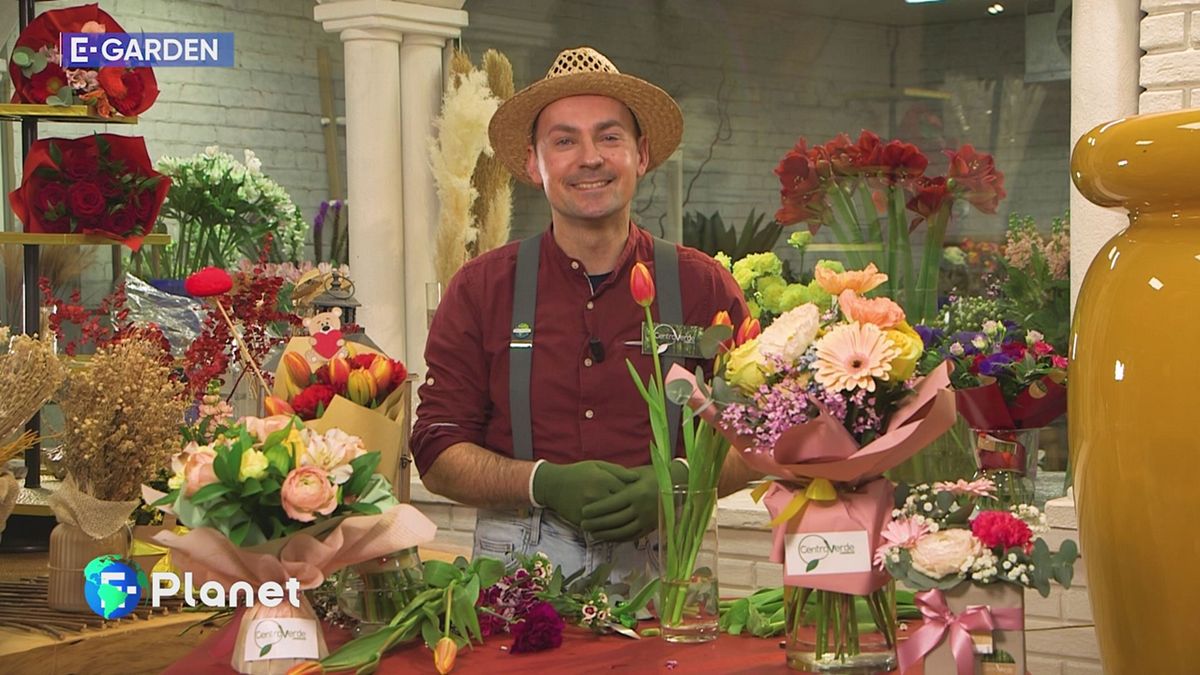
[578, 72]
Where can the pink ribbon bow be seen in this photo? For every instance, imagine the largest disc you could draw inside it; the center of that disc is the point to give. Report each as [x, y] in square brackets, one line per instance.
[939, 620]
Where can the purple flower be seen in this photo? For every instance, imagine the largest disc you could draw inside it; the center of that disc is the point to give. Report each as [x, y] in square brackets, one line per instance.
[929, 336]
[964, 338]
[541, 629]
[993, 364]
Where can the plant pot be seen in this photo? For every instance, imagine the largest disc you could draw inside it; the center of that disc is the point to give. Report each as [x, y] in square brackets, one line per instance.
[70, 552]
[1132, 353]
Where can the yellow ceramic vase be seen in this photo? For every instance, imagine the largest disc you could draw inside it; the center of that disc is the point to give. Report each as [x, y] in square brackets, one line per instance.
[1135, 401]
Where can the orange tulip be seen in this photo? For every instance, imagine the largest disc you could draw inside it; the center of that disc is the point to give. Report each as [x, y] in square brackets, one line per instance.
[722, 318]
[298, 369]
[641, 284]
[749, 330]
[444, 654]
[339, 372]
[360, 387]
[277, 406]
[307, 668]
[381, 370]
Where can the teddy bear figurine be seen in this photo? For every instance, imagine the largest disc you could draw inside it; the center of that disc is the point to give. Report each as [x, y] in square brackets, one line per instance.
[325, 334]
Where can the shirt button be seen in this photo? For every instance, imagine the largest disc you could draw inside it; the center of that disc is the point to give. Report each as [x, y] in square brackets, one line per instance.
[589, 414]
[574, 265]
[587, 362]
[591, 305]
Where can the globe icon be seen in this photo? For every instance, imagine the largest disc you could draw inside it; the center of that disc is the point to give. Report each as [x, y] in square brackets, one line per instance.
[113, 586]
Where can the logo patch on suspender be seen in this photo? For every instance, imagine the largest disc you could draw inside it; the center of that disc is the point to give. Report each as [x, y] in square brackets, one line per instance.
[522, 337]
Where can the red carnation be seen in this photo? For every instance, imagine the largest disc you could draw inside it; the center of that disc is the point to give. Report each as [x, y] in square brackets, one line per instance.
[312, 398]
[207, 282]
[399, 373]
[85, 199]
[1002, 529]
[541, 629]
[363, 361]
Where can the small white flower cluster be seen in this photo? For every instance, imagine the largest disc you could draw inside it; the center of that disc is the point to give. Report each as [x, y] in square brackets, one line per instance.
[595, 611]
[983, 567]
[1033, 517]
[1015, 571]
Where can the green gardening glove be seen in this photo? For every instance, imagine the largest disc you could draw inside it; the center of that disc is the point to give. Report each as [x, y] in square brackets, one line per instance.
[633, 511]
[567, 488]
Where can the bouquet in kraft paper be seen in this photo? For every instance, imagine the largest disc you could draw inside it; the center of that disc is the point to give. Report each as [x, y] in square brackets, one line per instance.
[358, 390]
[825, 399]
[270, 500]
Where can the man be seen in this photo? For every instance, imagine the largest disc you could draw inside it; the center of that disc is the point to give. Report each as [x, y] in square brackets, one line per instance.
[528, 411]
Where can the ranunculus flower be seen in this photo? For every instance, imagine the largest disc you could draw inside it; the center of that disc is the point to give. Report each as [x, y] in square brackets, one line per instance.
[883, 312]
[85, 199]
[911, 347]
[541, 629]
[744, 368]
[859, 281]
[198, 469]
[789, 336]
[262, 427]
[307, 492]
[641, 284]
[1001, 529]
[944, 552]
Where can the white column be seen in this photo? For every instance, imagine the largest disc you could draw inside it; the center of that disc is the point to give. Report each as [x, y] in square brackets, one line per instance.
[1104, 87]
[420, 102]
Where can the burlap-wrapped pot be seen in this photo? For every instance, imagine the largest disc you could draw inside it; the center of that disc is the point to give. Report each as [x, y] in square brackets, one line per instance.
[87, 528]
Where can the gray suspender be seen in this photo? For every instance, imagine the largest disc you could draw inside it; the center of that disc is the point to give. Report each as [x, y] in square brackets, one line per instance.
[520, 352]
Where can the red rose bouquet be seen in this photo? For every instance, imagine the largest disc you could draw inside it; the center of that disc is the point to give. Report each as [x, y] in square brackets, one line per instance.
[38, 76]
[101, 184]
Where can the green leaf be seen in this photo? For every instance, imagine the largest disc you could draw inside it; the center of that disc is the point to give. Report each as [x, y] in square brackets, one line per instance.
[430, 632]
[55, 151]
[711, 339]
[364, 468]
[812, 565]
[266, 648]
[439, 574]
[363, 507]
[679, 391]
[238, 534]
[279, 458]
[66, 95]
[23, 56]
[210, 492]
[168, 498]
[252, 486]
[489, 571]
[944, 500]
[224, 511]
[38, 62]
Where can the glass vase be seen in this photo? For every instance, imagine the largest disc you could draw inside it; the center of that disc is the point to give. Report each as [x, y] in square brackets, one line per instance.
[1009, 458]
[830, 632]
[373, 592]
[949, 457]
[687, 552]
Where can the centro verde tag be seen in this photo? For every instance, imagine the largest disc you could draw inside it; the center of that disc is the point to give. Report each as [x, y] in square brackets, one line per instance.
[98, 50]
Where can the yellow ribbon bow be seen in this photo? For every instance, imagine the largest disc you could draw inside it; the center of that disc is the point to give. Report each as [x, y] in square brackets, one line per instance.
[820, 490]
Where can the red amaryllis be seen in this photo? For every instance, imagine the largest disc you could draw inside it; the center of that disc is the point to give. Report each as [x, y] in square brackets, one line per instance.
[1002, 529]
[129, 91]
[540, 630]
[932, 195]
[641, 284]
[100, 184]
[975, 173]
[208, 282]
[800, 187]
[900, 161]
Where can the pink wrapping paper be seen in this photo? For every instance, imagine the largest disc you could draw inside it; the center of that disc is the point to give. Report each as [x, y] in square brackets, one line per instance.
[867, 508]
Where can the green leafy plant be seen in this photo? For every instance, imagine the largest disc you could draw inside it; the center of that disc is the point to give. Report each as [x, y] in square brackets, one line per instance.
[711, 235]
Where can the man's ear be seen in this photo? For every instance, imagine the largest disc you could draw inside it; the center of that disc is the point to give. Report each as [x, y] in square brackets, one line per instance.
[643, 145]
[531, 165]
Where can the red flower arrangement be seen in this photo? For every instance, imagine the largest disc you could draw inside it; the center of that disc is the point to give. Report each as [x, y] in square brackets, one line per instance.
[38, 76]
[100, 184]
[367, 379]
[1003, 530]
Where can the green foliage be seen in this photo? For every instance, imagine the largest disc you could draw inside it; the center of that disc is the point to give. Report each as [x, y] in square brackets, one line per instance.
[711, 235]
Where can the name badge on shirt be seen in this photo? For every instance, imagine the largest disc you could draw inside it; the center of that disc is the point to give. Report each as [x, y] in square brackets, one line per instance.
[522, 337]
[680, 340]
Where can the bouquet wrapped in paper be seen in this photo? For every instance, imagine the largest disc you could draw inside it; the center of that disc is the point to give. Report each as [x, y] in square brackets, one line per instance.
[269, 500]
[351, 387]
[825, 400]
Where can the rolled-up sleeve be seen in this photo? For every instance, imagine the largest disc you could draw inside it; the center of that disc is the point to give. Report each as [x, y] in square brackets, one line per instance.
[454, 399]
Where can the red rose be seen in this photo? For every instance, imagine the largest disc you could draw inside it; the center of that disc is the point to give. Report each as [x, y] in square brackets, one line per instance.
[1042, 348]
[120, 222]
[142, 204]
[208, 282]
[311, 398]
[131, 100]
[48, 195]
[110, 186]
[541, 629]
[1002, 529]
[85, 199]
[80, 162]
[47, 83]
[1014, 349]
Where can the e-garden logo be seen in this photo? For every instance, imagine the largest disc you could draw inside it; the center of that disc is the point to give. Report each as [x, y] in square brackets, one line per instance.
[113, 587]
[97, 50]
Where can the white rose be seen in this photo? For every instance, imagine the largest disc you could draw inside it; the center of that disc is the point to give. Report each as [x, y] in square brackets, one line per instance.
[943, 553]
[791, 334]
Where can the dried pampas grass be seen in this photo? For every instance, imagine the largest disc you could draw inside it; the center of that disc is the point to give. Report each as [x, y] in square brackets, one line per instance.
[30, 373]
[493, 208]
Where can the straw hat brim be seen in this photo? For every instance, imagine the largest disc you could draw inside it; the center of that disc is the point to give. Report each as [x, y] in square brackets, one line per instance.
[657, 114]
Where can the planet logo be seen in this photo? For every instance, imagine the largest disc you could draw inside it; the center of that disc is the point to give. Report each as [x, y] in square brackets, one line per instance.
[113, 586]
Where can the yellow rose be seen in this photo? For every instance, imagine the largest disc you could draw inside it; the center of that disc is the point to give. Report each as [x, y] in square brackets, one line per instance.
[254, 464]
[295, 445]
[744, 368]
[911, 347]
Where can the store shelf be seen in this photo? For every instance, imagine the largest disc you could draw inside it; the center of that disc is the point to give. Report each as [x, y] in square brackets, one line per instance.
[38, 239]
[15, 112]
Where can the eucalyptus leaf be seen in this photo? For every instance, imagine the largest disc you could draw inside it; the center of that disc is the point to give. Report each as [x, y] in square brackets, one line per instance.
[711, 339]
[679, 391]
[38, 63]
[22, 56]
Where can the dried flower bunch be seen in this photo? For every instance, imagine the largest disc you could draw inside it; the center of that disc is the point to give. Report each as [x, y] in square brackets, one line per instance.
[123, 414]
[30, 373]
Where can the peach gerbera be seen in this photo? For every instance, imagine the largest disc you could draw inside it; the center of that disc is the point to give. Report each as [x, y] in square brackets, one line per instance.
[882, 312]
[852, 356]
[859, 281]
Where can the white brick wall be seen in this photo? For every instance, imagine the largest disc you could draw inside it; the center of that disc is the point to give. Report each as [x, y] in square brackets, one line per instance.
[1170, 68]
[787, 74]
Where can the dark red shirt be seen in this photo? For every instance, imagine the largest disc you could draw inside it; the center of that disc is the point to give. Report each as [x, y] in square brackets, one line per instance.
[582, 408]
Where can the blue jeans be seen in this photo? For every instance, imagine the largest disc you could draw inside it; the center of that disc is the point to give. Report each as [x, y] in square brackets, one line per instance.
[504, 534]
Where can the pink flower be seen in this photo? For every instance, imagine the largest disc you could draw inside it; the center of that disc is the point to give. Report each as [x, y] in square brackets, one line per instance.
[976, 488]
[882, 312]
[1002, 529]
[852, 355]
[306, 492]
[261, 427]
[945, 552]
[332, 452]
[1058, 361]
[903, 533]
[198, 469]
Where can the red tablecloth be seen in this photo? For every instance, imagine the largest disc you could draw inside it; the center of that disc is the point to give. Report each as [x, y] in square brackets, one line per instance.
[581, 652]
